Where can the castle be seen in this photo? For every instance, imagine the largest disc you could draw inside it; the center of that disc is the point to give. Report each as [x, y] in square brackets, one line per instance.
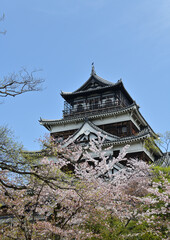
[102, 106]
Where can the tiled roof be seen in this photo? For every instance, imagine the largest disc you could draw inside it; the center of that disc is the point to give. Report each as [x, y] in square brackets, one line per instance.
[95, 76]
[107, 83]
[116, 140]
[125, 140]
[90, 90]
[95, 128]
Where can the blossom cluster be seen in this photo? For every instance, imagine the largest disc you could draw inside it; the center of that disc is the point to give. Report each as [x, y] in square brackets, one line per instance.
[69, 185]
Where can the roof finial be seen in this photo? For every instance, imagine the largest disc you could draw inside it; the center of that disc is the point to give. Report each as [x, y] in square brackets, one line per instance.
[93, 70]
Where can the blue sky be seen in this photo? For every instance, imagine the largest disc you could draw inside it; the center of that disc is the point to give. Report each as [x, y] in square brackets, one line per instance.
[128, 39]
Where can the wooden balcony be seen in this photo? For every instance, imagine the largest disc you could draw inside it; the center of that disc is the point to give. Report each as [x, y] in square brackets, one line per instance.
[85, 110]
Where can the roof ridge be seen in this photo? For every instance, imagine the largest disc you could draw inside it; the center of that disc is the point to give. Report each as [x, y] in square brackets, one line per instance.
[93, 126]
[104, 80]
[95, 76]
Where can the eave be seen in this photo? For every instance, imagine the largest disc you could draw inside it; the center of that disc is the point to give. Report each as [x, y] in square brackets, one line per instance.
[134, 138]
[48, 123]
[103, 82]
[68, 96]
[141, 137]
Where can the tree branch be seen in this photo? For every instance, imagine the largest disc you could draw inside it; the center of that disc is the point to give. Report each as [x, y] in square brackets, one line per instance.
[19, 83]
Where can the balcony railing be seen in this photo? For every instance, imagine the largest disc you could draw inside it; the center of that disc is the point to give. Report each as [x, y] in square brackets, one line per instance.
[82, 109]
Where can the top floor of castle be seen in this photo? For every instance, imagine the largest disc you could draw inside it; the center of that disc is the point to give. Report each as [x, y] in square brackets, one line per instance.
[95, 95]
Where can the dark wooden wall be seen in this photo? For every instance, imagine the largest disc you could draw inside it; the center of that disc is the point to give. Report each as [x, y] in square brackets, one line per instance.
[63, 134]
[139, 155]
[121, 129]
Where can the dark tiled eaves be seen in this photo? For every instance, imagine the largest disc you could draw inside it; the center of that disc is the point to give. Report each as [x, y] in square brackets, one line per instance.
[92, 116]
[89, 90]
[127, 140]
[95, 76]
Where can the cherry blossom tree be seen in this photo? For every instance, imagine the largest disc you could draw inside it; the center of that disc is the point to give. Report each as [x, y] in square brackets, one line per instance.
[62, 192]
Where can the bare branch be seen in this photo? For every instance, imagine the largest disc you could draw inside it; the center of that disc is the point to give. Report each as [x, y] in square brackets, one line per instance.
[1, 19]
[164, 143]
[19, 83]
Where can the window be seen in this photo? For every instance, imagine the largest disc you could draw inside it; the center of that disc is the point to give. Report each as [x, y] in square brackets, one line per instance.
[119, 130]
[124, 129]
[108, 102]
[93, 103]
[80, 108]
[116, 153]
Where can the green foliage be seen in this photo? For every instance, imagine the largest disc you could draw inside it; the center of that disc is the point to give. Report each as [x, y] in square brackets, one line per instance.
[151, 144]
[145, 236]
[158, 171]
[113, 228]
[108, 228]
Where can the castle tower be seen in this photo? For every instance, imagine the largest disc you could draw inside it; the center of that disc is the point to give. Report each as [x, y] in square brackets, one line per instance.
[106, 107]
